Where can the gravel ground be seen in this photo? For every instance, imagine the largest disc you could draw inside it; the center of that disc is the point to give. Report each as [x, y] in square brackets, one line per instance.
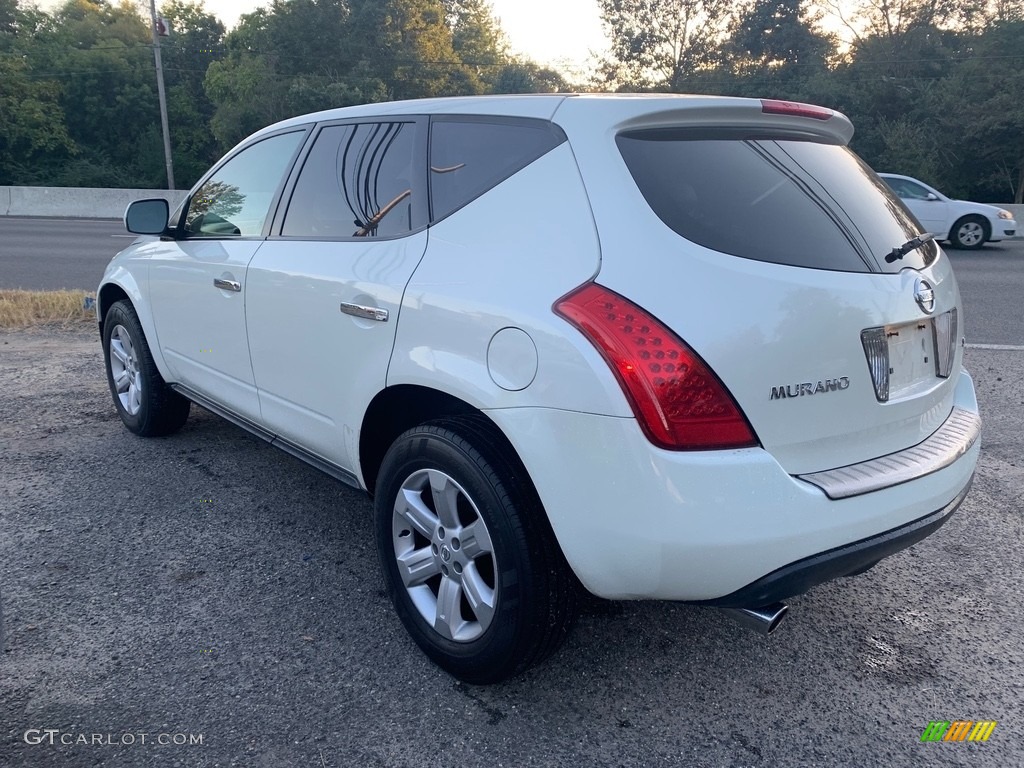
[208, 587]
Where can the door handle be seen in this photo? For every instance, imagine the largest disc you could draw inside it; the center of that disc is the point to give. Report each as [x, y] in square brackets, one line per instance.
[227, 285]
[367, 313]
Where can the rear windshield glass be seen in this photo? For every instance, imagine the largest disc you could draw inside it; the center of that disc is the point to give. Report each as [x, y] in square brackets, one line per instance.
[778, 199]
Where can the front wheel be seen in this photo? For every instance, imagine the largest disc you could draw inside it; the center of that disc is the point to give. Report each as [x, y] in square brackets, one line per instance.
[969, 233]
[468, 557]
[146, 405]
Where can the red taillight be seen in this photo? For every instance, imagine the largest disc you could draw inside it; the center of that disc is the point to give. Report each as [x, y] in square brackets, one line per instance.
[795, 108]
[679, 402]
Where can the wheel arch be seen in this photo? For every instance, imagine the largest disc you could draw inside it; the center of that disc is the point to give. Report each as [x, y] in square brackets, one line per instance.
[109, 294]
[121, 286]
[394, 410]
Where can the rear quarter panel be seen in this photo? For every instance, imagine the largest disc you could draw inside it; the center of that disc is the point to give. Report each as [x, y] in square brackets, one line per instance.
[501, 262]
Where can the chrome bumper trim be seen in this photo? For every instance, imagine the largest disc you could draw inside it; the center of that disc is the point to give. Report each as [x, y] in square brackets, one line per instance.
[947, 444]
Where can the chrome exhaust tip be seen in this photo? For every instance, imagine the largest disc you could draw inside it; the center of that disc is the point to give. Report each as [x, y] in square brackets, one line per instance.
[764, 620]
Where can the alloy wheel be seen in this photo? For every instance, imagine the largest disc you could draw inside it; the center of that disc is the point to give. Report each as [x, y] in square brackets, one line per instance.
[124, 367]
[445, 556]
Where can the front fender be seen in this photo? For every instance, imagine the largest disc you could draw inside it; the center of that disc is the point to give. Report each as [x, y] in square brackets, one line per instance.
[119, 281]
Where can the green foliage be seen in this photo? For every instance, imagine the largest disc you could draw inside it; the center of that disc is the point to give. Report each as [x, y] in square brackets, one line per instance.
[304, 55]
[32, 122]
[527, 77]
[659, 44]
[779, 36]
[933, 86]
[476, 37]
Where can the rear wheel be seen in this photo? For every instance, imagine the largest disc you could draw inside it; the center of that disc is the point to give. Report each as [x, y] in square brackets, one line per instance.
[970, 232]
[145, 403]
[469, 559]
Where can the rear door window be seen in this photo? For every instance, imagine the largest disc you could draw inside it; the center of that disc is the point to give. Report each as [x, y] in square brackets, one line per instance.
[359, 180]
[470, 155]
[772, 198]
[907, 189]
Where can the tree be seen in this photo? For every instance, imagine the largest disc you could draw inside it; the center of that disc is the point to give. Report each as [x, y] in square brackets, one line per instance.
[8, 17]
[980, 116]
[477, 38]
[102, 57]
[660, 43]
[304, 55]
[32, 127]
[409, 46]
[195, 42]
[527, 77]
[779, 35]
[297, 56]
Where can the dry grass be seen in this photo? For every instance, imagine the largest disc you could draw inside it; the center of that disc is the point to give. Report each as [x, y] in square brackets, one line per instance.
[21, 309]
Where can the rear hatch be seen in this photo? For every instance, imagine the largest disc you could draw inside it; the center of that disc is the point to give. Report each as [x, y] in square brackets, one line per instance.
[753, 232]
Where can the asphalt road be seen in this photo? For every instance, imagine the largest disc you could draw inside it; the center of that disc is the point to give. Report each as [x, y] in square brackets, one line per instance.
[991, 282]
[206, 587]
[49, 254]
[46, 254]
[222, 601]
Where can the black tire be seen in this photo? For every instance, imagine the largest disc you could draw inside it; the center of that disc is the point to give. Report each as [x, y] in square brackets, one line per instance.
[533, 591]
[970, 232]
[160, 410]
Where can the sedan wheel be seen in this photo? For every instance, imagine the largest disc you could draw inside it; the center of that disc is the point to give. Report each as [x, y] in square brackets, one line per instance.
[970, 232]
[470, 561]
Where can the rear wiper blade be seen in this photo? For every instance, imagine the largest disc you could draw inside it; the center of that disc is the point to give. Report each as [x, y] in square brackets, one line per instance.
[907, 247]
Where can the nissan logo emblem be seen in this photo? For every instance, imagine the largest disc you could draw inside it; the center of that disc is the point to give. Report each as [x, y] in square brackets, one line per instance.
[924, 294]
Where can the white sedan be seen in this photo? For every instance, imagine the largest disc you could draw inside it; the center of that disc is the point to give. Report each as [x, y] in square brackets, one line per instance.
[962, 223]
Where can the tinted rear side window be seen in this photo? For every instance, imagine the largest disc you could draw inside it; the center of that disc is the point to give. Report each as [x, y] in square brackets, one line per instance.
[469, 156]
[773, 198]
[357, 181]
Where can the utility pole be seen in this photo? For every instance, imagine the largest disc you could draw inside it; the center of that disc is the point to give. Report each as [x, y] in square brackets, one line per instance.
[163, 96]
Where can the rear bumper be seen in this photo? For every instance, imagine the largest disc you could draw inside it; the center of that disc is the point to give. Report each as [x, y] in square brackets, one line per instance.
[796, 578]
[945, 446]
[725, 527]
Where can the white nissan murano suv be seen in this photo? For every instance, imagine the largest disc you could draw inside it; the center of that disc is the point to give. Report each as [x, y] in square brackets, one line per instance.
[660, 347]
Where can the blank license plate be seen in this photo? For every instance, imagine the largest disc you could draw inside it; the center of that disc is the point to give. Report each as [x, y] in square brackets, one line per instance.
[911, 357]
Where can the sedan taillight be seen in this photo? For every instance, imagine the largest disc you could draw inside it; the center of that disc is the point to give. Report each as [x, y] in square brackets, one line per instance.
[678, 401]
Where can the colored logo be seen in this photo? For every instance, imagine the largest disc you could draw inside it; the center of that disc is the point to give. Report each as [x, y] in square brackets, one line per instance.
[958, 730]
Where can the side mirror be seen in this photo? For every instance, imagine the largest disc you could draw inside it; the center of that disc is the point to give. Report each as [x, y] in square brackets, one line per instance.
[147, 217]
[931, 197]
